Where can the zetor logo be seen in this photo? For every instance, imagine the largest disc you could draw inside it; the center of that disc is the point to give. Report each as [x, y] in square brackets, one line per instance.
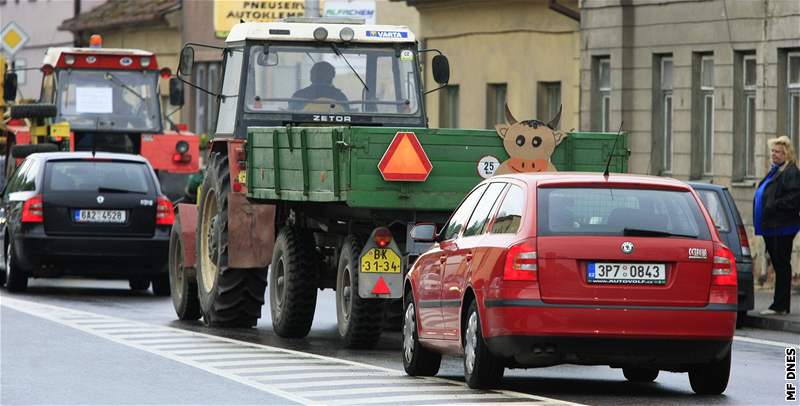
[331, 119]
[698, 253]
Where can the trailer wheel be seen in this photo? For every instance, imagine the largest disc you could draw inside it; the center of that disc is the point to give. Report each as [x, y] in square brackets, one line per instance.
[293, 283]
[228, 296]
[183, 285]
[359, 320]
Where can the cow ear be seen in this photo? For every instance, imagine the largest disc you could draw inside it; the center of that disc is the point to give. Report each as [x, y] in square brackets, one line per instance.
[502, 130]
[560, 135]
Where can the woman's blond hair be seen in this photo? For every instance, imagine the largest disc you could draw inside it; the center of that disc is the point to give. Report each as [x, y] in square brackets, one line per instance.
[788, 148]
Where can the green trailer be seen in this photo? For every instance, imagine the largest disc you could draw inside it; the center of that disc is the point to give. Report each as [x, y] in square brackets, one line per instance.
[302, 193]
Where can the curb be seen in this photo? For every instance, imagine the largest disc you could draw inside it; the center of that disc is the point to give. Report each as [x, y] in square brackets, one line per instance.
[770, 323]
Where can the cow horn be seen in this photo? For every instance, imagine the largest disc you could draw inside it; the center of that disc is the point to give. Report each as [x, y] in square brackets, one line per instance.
[553, 123]
[510, 117]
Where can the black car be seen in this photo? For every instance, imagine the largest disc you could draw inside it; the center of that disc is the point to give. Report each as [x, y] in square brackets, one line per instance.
[81, 214]
[723, 211]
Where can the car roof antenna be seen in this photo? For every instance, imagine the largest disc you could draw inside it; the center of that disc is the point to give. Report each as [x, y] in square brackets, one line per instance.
[614, 147]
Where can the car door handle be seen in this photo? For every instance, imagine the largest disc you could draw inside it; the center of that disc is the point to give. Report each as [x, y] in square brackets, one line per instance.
[469, 256]
[443, 259]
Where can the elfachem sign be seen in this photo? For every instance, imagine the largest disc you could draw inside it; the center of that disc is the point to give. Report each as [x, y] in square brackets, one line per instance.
[228, 13]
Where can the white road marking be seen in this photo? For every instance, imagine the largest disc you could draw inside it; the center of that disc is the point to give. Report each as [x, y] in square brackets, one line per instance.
[765, 342]
[225, 351]
[383, 390]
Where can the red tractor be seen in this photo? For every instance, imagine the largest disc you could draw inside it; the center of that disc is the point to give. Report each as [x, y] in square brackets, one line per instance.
[96, 99]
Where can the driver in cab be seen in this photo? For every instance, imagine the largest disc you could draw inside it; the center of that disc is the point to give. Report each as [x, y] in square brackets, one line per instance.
[321, 89]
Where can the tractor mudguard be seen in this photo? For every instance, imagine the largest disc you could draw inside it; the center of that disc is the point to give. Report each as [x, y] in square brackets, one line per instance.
[187, 213]
[251, 232]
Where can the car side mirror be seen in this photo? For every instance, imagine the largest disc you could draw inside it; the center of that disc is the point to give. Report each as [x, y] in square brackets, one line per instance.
[186, 62]
[424, 233]
[9, 86]
[175, 92]
[441, 69]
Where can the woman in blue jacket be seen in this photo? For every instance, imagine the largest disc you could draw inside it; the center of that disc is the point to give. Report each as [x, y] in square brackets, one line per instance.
[776, 217]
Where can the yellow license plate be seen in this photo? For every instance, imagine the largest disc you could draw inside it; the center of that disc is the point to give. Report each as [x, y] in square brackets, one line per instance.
[380, 260]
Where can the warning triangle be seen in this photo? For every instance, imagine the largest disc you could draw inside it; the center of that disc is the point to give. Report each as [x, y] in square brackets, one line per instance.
[381, 288]
[405, 160]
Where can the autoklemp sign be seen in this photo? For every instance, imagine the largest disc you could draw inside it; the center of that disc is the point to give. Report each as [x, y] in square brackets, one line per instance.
[228, 13]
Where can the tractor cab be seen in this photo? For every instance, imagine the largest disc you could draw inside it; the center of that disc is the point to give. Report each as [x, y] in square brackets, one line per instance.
[109, 97]
[315, 71]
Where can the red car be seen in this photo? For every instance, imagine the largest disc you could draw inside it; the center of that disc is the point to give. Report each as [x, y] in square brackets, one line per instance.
[535, 270]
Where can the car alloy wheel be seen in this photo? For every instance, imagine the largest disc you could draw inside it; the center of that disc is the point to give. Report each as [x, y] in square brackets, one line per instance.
[409, 326]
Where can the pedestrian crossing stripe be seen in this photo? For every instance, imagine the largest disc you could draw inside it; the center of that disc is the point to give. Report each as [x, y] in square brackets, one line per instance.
[293, 375]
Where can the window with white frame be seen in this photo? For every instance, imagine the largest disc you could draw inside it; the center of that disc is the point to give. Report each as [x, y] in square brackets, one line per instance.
[707, 100]
[793, 84]
[749, 93]
[496, 96]
[666, 112]
[604, 92]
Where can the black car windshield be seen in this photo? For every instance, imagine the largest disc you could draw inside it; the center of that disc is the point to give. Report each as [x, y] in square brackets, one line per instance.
[619, 211]
[332, 79]
[97, 176]
[110, 100]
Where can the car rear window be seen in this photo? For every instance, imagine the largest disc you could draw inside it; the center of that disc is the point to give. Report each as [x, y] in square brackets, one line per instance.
[619, 211]
[94, 176]
[715, 208]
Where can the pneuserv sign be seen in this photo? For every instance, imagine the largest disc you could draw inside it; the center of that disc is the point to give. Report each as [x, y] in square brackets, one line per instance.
[228, 13]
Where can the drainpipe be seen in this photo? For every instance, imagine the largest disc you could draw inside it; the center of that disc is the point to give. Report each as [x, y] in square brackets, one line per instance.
[564, 10]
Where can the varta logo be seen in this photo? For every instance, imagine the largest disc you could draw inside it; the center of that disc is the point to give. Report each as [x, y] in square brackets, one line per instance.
[387, 34]
[331, 119]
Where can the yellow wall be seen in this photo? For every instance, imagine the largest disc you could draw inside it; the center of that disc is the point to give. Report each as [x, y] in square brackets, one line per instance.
[515, 42]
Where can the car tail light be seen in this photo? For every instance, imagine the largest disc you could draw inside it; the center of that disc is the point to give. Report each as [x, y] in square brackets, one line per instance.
[164, 214]
[33, 210]
[521, 262]
[743, 241]
[723, 276]
[382, 237]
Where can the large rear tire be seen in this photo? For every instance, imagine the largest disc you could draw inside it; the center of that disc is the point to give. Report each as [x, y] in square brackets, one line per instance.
[22, 151]
[360, 320]
[228, 296]
[293, 283]
[182, 282]
[33, 110]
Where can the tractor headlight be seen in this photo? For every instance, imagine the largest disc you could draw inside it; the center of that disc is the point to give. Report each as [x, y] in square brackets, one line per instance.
[182, 147]
[320, 34]
[347, 34]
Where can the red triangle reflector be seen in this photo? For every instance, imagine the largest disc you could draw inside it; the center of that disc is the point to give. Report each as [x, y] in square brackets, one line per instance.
[405, 160]
[381, 288]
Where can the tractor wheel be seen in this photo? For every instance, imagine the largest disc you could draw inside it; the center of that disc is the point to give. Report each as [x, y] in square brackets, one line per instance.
[22, 151]
[16, 276]
[228, 296]
[33, 110]
[293, 283]
[182, 282]
[360, 320]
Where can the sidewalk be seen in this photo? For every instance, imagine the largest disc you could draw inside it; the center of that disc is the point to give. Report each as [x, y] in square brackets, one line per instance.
[789, 322]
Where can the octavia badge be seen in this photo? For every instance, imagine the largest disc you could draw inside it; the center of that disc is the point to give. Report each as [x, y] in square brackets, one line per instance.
[627, 247]
[100, 199]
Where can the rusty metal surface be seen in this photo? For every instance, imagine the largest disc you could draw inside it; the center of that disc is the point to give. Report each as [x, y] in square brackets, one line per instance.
[251, 232]
[187, 214]
[234, 145]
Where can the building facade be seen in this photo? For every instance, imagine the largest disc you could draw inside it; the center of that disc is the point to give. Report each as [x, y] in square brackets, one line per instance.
[524, 53]
[700, 86]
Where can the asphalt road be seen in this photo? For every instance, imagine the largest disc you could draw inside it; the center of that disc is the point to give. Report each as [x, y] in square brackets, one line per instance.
[92, 342]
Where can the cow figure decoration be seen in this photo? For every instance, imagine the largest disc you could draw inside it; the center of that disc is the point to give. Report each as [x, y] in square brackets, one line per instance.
[529, 144]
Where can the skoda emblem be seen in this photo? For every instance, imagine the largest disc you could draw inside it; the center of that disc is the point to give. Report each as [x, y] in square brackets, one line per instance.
[100, 199]
[627, 247]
